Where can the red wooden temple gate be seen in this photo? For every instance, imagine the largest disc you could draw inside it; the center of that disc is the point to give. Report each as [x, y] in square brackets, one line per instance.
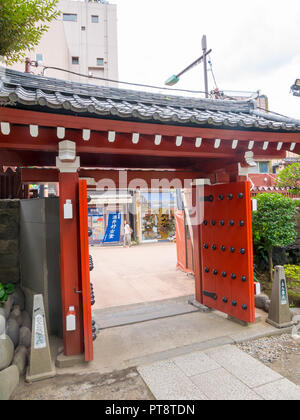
[69, 131]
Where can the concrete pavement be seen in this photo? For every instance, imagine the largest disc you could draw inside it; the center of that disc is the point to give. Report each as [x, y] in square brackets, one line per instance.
[222, 373]
[164, 338]
[144, 273]
[187, 356]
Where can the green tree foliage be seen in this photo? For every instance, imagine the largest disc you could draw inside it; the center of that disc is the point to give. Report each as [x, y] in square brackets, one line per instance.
[290, 177]
[22, 24]
[274, 223]
[5, 291]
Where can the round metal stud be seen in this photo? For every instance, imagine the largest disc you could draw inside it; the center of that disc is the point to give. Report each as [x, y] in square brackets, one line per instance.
[234, 303]
[224, 274]
[233, 276]
[225, 300]
[213, 223]
[205, 222]
[244, 307]
[232, 250]
[221, 197]
[222, 223]
[242, 223]
[244, 279]
[206, 270]
[231, 223]
[211, 198]
[215, 272]
[230, 196]
[223, 248]
[206, 246]
[214, 247]
[243, 251]
[241, 196]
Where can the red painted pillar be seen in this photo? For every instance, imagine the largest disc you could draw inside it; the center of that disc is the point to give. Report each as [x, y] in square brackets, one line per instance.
[70, 263]
[196, 200]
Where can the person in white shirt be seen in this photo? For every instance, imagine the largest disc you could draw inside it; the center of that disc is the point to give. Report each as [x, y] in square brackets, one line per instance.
[127, 234]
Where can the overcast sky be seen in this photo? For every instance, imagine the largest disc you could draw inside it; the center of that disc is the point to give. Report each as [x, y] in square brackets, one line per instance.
[256, 45]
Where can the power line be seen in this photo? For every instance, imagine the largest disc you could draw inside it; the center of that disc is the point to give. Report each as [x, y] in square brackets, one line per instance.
[212, 72]
[120, 82]
[154, 87]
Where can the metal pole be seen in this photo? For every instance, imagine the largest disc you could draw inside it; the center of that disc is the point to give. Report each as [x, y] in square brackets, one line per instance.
[204, 49]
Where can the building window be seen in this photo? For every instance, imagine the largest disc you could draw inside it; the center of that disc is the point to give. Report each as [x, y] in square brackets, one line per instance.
[39, 57]
[95, 19]
[158, 215]
[69, 17]
[263, 167]
[75, 60]
[100, 62]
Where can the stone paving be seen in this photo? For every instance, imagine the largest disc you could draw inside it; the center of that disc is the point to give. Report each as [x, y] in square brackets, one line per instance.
[222, 373]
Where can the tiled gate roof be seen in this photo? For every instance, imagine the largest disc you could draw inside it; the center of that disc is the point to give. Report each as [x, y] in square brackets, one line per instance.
[24, 90]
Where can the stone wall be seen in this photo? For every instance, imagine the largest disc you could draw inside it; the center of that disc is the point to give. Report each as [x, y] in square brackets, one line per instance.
[9, 241]
[15, 322]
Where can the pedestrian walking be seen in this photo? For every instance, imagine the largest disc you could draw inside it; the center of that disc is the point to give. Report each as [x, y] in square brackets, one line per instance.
[127, 235]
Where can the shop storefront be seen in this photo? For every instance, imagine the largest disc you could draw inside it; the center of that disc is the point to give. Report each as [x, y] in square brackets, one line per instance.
[107, 212]
[151, 215]
[157, 215]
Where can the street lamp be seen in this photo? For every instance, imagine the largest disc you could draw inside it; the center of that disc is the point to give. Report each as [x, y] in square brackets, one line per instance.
[175, 78]
[296, 88]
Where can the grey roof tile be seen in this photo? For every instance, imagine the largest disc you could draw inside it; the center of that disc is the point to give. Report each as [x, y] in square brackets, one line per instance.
[22, 89]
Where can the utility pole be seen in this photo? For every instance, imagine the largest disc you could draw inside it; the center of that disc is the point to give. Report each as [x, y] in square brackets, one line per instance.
[204, 49]
[27, 65]
[175, 78]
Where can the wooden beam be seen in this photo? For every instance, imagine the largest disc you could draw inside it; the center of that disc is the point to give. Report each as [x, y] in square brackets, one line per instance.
[18, 116]
[121, 179]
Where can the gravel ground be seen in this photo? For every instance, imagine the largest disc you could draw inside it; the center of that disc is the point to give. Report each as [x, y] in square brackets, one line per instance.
[270, 349]
[280, 353]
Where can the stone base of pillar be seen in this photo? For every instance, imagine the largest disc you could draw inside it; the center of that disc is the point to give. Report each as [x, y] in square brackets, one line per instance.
[63, 361]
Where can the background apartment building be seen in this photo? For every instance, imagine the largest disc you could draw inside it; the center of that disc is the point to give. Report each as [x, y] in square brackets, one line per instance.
[82, 40]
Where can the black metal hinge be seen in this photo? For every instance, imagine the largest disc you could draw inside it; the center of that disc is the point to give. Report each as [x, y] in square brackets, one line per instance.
[207, 198]
[211, 295]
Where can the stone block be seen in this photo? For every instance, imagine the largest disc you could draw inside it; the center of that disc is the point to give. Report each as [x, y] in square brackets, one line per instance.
[63, 361]
[279, 313]
[10, 275]
[13, 331]
[167, 382]
[9, 247]
[25, 337]
[19, 298]
[281, 390]
[9, 380]
[20, 359]
[267, 306]
[16, 314]
[26, 320]
[6, 352]
[7, 306]
[260, 301]
[2, 322]
[221, 385]
[9, 204]
[40, 364]
[8, 261]
[195, 363]
[244, 367]
[9, 230]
